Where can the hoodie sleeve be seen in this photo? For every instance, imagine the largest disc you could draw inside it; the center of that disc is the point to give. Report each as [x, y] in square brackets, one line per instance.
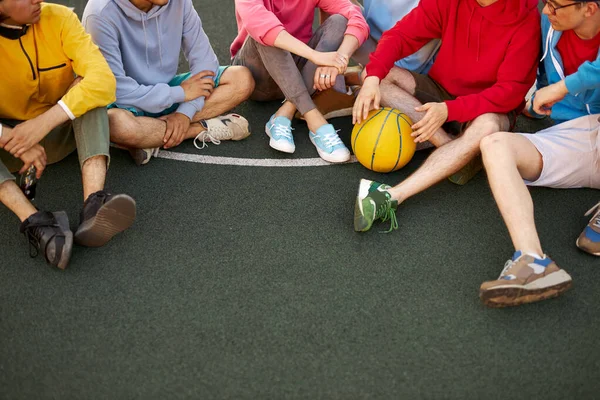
[97, 88]
[516, 76]
[411, 33]
[587, 77]
[149, 98]
[357, 26]
[199, 53]
[261, 24]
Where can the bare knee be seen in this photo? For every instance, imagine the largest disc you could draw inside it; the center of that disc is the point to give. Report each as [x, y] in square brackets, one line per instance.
[241, 79]
[495, 142]
[244, 82]
[121, 122]
[401, 78]
[483, 126]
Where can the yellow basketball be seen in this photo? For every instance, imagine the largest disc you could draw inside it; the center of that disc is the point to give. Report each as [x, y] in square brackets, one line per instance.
[382, 142]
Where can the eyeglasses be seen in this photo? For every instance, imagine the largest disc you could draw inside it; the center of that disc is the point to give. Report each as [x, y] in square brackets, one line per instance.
[552, 8]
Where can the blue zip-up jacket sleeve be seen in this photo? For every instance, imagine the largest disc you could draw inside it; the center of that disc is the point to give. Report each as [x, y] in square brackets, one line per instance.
[199, 53]
[587, 77]
[150, 98]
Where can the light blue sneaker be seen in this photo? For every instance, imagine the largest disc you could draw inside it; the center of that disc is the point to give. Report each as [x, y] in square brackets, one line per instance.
[280, 131]
[329, 145]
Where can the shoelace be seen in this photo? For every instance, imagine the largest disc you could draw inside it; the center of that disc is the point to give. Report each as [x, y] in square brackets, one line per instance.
[283, 130]
[385, 213]
[508, 265]
[34, 236]
[206, 135]
[332, 139]
[596, 217]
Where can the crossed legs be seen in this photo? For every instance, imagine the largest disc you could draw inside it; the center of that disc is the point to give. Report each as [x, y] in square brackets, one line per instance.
[129, 131]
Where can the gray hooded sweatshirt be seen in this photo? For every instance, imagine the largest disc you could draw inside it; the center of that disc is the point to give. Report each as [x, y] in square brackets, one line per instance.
[143, 50]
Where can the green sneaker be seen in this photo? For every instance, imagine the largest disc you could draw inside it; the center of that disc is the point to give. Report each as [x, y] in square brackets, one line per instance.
[466, 173]
[374, 202]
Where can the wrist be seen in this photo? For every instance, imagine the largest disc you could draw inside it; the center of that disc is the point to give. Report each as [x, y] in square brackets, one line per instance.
[562, 87]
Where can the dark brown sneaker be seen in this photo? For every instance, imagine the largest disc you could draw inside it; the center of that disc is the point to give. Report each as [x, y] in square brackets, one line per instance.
[103, 216]
[525, 279]
[49, 234]
[589, 240]
[467, 172]
[333, 104]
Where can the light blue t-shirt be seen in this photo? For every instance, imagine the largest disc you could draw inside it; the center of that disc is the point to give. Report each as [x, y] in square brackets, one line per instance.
[382, 15]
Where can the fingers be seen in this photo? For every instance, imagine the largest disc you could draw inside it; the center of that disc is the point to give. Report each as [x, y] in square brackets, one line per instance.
[40, 166]
[203, 74]
[377, 100]
[168, 131]
[366, 108]
[25, 167]
[174, 140]
[355, 110]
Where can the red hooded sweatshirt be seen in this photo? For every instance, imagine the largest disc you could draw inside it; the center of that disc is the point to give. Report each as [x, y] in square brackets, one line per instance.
[488, 58]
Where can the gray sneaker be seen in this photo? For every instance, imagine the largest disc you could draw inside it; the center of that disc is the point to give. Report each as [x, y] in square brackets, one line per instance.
[589, 240]
[143, 156]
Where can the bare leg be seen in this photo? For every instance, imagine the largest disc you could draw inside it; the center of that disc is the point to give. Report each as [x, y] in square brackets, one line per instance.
[397, 91]
[129, 131]
[93, 175]
[13, 198]
[235, 87]
[450, 157]
[509, 158]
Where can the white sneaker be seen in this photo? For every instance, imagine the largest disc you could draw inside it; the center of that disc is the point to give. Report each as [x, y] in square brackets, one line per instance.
[224, 127]
[280, 131]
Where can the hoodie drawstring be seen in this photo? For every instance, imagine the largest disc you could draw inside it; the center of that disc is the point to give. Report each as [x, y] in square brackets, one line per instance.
[145, 40]
[159, 41]
[548, 38]
[469, 26]
[478, 31]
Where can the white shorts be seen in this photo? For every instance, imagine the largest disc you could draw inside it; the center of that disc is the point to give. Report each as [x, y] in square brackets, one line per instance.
[570, 152]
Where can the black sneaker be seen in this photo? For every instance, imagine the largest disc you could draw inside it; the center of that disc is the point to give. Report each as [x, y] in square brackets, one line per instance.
[103, 216]
[49, 233]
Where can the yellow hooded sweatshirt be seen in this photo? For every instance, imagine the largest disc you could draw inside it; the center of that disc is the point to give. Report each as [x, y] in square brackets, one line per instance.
[37, 69]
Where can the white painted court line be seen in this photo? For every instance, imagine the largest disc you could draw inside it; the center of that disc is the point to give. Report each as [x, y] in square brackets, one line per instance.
[247, 162]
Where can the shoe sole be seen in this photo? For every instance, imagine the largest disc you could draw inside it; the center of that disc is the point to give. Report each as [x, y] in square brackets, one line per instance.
[582, 249]
[361, 224]
[508, 296]
[274, 145]
[63, 222]
[328, 157]
[115, 216]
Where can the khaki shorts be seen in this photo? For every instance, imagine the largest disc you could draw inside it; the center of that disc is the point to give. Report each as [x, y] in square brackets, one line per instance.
[427, 90]
[88, 134]
[570, 154]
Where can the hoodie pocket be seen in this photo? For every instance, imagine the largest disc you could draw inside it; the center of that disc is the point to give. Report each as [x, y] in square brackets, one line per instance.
[54, 81]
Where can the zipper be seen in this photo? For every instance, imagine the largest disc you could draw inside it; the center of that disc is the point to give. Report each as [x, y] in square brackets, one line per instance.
[51, 68]
[28, 59]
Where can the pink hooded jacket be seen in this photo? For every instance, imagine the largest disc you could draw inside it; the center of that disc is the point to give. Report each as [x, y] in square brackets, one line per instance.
[263, 20]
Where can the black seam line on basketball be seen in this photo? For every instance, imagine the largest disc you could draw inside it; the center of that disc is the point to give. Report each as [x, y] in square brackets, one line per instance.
[363, 125]
[379, 136]
[400, 137]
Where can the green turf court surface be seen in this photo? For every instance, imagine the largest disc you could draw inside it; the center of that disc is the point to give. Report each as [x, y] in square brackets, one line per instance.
[247, 282]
